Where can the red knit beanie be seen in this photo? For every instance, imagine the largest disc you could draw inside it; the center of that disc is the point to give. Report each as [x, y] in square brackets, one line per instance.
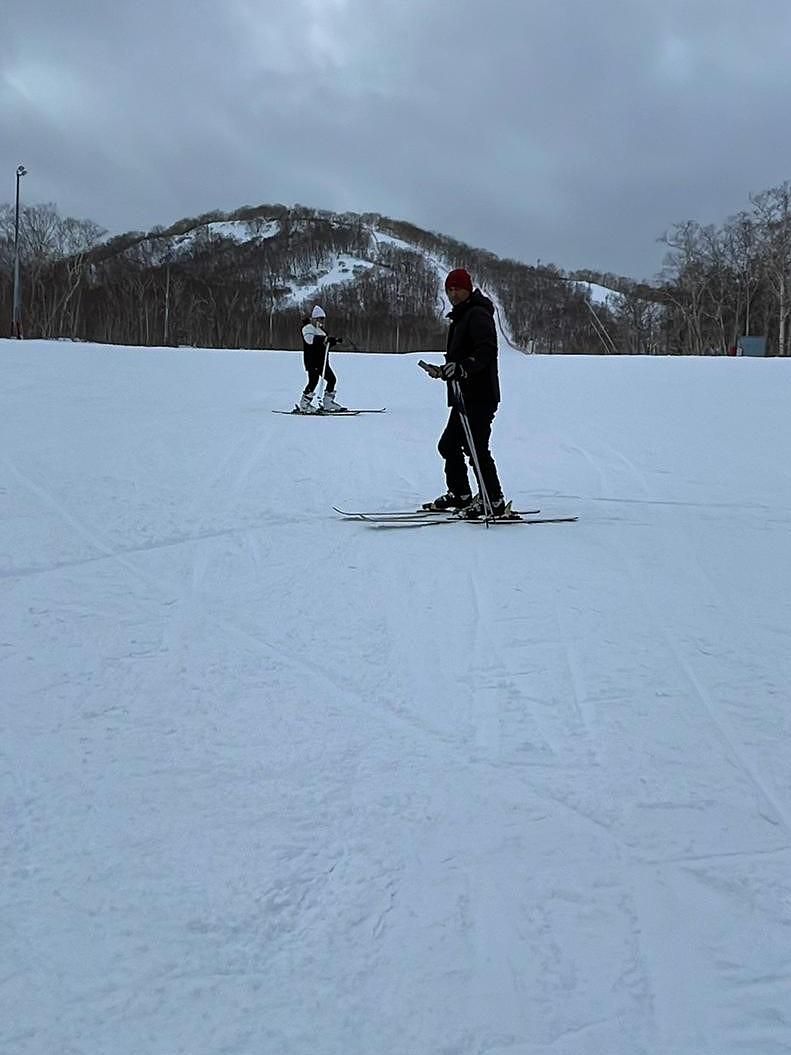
[460, 279]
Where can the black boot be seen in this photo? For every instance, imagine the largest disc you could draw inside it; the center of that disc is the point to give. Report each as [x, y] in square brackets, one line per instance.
[448, 501]
[475, 511]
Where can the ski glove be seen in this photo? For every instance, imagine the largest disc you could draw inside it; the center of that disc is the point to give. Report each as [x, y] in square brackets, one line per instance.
[331, 341]
[452, 372]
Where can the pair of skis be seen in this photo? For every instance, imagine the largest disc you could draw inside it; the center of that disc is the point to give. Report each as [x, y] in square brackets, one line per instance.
[329, 413]
[430, 517]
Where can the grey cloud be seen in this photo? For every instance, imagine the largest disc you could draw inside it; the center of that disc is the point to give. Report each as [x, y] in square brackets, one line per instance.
[572, 132]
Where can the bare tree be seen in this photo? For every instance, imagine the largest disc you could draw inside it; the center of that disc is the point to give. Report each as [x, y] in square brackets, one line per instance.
[773, 213]
[743, 252]
[685, 263]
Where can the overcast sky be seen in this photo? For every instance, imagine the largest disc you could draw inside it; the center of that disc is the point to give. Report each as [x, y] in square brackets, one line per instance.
[561, 130]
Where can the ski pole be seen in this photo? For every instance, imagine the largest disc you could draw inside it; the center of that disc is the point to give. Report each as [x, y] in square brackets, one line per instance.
[465, 422]
[324, 365]
[455, 387]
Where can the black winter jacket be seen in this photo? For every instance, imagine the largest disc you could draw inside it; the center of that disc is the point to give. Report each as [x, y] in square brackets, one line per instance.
[315, 345]
[472, 341]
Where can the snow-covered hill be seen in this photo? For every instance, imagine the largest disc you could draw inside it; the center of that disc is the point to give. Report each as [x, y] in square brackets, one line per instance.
[241, 279]
[273, 782]
[442, 264]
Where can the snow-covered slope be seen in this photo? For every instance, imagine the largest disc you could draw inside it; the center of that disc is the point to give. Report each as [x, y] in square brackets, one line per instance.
[272, 782]
[600, 294]
[170, 247]
[442, 265]
[344, 268]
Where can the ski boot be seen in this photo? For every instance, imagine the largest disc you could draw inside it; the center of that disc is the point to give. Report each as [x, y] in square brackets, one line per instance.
[501, 510]
[329, 406]
[447, 503]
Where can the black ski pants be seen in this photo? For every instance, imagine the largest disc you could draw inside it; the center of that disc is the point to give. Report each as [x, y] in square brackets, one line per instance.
[454, 449]
[314, 361]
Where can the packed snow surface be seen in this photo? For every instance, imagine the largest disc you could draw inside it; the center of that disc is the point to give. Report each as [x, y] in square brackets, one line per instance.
[274, 783]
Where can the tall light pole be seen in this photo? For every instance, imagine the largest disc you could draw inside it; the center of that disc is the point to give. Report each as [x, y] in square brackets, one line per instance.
[17, 319]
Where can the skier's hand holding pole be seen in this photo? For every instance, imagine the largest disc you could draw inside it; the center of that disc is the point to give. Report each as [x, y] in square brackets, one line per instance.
[431, 369]
[448, 372]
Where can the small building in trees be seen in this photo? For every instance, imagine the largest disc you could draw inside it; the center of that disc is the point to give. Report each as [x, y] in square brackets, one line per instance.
[751, 346]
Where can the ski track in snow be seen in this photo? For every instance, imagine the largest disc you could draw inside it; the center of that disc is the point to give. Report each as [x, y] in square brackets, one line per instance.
[275, 782]
[668, 994]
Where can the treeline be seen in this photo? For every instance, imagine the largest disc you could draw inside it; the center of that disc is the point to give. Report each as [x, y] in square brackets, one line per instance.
[231, 280]
[724, 282]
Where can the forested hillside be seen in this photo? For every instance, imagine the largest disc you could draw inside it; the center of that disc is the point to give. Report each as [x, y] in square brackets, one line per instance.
[244, 279]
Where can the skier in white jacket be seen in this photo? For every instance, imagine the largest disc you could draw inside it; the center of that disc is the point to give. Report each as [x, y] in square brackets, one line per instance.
[316, 357]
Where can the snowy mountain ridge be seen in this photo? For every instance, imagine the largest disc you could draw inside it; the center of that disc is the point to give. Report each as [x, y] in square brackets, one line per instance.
[252, 231]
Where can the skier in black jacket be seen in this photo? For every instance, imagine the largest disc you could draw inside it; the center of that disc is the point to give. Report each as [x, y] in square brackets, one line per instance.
[471, 359]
